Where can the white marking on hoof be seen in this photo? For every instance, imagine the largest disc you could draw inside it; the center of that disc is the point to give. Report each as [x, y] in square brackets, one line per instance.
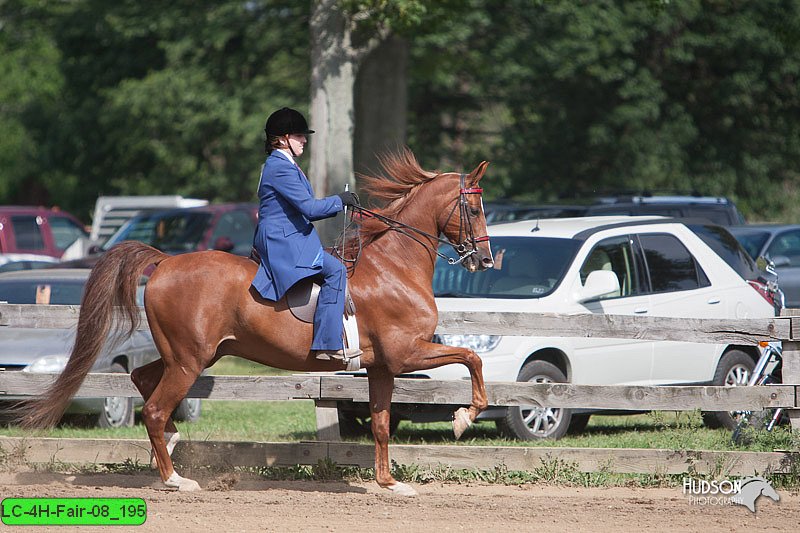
[172, 440]
[181, 483]
[401, 489]
[461, 422]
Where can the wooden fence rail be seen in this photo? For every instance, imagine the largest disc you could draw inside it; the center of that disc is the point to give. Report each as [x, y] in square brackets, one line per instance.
[327, 389]
[192, 454]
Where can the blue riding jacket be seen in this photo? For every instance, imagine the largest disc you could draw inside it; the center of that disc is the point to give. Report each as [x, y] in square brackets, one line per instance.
[287, 242]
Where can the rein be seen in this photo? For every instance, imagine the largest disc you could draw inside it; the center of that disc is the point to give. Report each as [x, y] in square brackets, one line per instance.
[468, 241]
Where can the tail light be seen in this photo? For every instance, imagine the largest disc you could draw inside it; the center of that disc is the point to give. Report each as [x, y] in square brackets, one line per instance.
[770, 292]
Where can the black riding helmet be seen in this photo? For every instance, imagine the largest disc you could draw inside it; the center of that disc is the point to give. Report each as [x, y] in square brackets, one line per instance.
[286, 121]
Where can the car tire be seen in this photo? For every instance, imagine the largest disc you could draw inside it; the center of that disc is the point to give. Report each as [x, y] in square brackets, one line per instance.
[353, 425]
[537, 423]
[734, 369]
[578, 423]
[118, 411]
[188, 410]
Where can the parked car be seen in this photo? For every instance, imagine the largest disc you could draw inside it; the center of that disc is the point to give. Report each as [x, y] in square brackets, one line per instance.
[780, 244]
[643, 266]
[37, 233]
[226, 227]
[47, 349]
[717, 210]
[111, 212]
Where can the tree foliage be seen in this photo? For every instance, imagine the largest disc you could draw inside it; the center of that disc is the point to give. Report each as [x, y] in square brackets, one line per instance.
[561, 96]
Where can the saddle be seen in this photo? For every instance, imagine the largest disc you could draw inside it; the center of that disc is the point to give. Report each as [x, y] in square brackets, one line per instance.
[301, 300]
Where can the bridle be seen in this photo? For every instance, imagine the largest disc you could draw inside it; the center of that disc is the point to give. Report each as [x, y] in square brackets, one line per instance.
[468, 242]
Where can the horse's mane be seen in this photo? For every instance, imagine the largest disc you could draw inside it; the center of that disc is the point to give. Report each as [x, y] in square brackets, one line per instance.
[393, 189]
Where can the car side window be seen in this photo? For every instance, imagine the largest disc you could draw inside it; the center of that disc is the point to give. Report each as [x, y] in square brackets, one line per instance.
[787, 244]
[27, 232]
[615, 254]
[670, 265]
[65, 232]
[237, 226]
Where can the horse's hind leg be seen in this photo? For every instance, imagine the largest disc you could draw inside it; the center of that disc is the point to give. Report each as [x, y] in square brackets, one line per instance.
[146, 378]
[158, 408]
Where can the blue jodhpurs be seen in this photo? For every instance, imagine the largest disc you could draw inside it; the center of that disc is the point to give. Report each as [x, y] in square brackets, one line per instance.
[330, 305]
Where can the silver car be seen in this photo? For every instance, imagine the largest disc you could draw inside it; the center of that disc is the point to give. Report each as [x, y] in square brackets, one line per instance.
[780, 243]
[47, 349]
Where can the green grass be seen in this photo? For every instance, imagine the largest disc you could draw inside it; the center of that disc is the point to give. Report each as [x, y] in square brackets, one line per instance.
[295, 420]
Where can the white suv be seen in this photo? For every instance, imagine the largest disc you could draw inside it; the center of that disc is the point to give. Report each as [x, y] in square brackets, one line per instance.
[648, 266]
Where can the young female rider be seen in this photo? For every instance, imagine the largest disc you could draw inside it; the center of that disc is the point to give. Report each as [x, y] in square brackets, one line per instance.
[287, 242]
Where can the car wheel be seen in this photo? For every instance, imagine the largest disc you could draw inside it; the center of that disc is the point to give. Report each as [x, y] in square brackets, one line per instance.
[578, 423]
[535, 423]
[118, 411]
[734, 370]
[353, 425]
[188, 410]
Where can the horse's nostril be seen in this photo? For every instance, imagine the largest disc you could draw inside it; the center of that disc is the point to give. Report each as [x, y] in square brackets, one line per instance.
[487, 262]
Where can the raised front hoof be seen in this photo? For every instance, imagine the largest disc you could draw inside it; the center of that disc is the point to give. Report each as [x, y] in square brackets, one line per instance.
[181, 484]
[401, 489]
[461, 421]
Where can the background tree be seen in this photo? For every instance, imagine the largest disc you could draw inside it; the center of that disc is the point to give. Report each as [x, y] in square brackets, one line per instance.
[146, 97]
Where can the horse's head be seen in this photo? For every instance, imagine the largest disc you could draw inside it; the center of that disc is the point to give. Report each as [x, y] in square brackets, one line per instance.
[465, 223]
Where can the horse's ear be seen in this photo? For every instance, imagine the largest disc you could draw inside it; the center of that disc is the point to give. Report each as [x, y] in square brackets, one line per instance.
[476, 175]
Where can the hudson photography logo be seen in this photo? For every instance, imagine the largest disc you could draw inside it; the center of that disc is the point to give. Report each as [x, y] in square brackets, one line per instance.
[728, 492]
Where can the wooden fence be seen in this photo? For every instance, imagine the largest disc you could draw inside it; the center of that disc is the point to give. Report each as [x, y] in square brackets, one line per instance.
[327, 389]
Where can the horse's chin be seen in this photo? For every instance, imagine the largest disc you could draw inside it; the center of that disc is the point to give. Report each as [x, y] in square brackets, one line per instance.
[472, 264]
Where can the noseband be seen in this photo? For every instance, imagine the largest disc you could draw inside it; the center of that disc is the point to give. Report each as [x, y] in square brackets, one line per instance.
[468, 242]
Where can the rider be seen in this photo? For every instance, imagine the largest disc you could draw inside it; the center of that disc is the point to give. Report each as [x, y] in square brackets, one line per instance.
[285, 239]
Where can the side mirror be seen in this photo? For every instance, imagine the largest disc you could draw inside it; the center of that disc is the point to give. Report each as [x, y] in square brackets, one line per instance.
[599, 283]
[223, 244]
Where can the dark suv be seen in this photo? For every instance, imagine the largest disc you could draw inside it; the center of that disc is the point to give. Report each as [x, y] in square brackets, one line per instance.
[717, 210]
[225, 227]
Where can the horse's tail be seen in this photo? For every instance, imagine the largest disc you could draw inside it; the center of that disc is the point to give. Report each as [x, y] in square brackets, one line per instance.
[109, 301]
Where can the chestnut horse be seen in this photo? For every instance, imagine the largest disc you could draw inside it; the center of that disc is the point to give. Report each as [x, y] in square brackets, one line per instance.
[200, 306]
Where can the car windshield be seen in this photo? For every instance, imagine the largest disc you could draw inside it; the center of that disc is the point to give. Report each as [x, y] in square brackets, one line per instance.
[44, 291]
[169, 232]
[525, 267]
[752, 242]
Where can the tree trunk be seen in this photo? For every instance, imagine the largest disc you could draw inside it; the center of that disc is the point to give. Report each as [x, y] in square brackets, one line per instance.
[380, 113]
[333, 74]
[381, 103]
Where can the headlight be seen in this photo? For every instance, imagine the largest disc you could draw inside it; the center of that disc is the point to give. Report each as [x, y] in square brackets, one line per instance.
[48, 363]
[478, 343]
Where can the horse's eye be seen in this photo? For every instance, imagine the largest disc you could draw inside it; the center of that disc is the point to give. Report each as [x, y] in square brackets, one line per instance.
[474, 211]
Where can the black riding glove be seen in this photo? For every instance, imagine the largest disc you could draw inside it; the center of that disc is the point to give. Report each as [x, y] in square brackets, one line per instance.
[348, 198]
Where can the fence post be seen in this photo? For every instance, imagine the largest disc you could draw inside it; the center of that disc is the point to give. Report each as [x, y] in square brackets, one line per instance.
[327, 421]
[791, 365]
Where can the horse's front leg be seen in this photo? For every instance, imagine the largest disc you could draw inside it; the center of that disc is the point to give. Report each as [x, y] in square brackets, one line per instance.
[381, 383]
[426, 355]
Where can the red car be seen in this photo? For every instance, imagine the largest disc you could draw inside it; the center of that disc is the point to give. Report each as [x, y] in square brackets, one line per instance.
[29, 233]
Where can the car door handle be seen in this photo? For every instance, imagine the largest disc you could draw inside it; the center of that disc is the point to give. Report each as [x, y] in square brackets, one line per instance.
[640, 310]
[714, 300]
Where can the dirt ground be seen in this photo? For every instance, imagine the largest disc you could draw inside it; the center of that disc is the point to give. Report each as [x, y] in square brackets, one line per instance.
[231, 502]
